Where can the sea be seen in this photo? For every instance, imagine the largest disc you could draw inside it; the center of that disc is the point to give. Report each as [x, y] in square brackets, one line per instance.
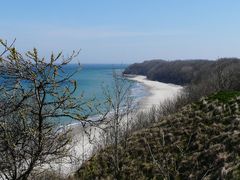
[92, 79]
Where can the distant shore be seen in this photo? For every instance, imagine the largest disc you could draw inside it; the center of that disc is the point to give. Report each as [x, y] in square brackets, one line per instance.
[158, 91]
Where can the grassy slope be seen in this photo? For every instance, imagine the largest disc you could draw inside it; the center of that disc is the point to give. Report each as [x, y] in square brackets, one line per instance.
[202, 140]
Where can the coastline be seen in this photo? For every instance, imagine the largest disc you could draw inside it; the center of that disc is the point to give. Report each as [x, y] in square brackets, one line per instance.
[82, 144]
[158, 91]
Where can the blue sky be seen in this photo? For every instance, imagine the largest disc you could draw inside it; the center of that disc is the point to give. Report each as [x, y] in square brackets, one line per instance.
[125, 31]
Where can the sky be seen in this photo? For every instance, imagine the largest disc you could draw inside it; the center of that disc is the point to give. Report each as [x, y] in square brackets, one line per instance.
[124, 31]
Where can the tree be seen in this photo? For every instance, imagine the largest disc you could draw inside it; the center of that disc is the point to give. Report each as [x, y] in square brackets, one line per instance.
[120, 107]
[226, 75]
[34, 94]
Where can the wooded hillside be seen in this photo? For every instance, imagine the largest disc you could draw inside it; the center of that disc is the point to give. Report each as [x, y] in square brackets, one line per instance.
[181, 72]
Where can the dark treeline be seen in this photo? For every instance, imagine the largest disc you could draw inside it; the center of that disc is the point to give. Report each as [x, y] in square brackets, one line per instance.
[200, 77]
[181, 72]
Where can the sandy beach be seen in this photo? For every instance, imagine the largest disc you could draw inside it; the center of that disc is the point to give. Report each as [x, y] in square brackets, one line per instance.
[158, 91]
[82, 148]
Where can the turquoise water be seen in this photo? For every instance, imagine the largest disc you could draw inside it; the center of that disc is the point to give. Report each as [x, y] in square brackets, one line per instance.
[92, 78]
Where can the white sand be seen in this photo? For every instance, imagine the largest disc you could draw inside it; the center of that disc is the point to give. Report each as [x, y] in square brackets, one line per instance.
[158, 91]
[82, 149]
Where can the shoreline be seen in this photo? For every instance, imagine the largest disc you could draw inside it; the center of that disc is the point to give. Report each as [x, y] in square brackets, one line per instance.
[158, 91]
[83, 148]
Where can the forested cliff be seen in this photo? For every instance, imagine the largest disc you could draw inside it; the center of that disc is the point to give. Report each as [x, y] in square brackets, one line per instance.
[181, 72]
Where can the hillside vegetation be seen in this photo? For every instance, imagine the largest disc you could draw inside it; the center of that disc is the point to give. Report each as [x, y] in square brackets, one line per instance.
[182, 72]
[202, 140]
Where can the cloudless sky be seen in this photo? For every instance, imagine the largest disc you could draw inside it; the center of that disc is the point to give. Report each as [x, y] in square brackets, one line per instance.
[124, 31]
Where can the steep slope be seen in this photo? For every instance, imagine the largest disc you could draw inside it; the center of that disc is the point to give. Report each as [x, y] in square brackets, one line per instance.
[202, 140]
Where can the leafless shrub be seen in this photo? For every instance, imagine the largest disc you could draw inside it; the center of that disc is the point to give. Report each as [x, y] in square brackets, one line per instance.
[35, 93]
